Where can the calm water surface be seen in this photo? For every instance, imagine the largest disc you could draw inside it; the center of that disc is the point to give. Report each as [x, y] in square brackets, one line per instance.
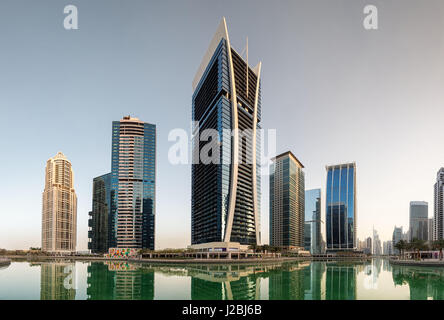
[295, 281]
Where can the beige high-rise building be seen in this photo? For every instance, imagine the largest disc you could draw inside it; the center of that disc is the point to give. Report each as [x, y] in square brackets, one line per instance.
[59, 214]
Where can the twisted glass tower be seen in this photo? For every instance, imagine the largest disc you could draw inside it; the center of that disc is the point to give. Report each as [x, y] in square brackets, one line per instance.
[225, 192]
[341, 207]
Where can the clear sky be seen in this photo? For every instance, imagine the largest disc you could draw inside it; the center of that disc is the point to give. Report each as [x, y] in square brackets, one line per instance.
[333, 91]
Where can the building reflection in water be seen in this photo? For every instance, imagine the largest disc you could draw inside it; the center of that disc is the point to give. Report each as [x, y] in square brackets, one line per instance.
[57, 281]
[424, 282]
[341, 281]
[226, 282]
[119, 281]
[314, 281]
[287, 282]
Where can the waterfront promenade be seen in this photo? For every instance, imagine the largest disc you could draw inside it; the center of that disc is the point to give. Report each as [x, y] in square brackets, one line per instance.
[5, 261]
[188, 260]
[418, 263]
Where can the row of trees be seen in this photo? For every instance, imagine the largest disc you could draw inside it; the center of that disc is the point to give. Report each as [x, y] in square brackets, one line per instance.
[418, 246]
[264, 248]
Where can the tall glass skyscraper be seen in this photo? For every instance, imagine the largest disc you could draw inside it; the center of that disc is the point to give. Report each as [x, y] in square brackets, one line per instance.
[59, 212]
[99, 218]
[419, 220]
[438, 210]
[341, 207]
[226, 190]
[312, 228]
[287, 201]
[133, 184]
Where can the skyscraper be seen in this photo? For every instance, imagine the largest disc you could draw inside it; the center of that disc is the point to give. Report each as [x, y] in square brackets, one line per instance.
[287, 201]
[341, 207]
[225, 204]
[59, 213]
[99, 218]
[430, 230]
[438, 217]
[376, 242]
[397, 236]
[133, 184]
[419, 221]
[312, 228]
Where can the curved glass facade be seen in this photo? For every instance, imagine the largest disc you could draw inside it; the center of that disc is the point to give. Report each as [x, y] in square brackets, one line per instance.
[225, 198]
[340, 207]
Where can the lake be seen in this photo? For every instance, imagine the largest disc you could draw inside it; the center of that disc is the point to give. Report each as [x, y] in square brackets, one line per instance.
[67, 280]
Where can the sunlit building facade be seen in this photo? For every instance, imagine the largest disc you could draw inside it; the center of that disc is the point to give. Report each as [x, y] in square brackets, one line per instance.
[59, 213]
[341, 207]
[225, 192]
[438, 211]
[287, 201]
[133, 183]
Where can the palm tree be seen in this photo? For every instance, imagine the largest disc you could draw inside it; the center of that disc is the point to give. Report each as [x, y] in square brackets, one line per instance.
[401, 245]
[438, 244]
[418, 245]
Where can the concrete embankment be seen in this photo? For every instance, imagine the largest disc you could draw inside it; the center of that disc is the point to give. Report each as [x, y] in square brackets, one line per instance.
[418, 263]
[5, 262]
[42, 258]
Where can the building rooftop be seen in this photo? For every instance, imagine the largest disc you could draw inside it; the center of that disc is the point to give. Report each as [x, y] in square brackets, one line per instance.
[288, 154]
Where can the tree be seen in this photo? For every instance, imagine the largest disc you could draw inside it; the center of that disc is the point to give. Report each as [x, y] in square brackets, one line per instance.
[418, 245]
[401, 245]
[253, 247]
[439, 245]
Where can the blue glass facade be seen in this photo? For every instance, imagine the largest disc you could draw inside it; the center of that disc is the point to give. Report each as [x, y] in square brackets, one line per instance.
[212, 108]
[341, 207]
[133, 183]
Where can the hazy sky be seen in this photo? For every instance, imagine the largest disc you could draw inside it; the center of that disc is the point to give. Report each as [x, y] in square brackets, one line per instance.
[334, 91]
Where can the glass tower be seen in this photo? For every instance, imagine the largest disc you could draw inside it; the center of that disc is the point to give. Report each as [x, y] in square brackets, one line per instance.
[133, 183]
[341, 207]
[438, 209]
[312, 229]
[287, 201]
[419, 220]
[226, 190]
[99, 217]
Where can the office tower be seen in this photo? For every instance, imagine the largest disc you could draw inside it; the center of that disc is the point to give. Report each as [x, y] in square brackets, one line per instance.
[430, 230]
[396, 237]
[341, 207]
[59, 218]
[312, 228]
[419, 221]
[438, 214]
[287, 201]
[133, 183]
[387, 248]
[225, 174]
[376, 242]
[99, 218]
[368, 246]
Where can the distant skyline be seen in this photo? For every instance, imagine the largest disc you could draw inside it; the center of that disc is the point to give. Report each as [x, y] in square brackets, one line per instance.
[325, 80]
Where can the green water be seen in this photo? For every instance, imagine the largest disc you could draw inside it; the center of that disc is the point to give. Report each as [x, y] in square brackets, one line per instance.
[295, 281]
